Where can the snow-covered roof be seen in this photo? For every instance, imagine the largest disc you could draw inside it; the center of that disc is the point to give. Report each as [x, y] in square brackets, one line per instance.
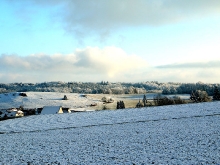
[50, 110]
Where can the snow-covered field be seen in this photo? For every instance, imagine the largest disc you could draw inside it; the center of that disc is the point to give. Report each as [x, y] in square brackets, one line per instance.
[40, 99]
[181, 134]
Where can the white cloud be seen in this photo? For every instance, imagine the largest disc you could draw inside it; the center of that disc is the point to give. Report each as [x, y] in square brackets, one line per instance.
[96, 64]
[110, 59]
[89, 64]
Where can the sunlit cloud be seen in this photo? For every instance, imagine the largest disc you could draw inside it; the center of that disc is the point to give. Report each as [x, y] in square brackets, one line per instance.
[88, 64]
[96, 64]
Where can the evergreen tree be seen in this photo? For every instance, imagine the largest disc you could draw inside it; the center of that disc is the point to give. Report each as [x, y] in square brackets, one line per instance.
[216, 94]
[65, 97]
[144, 100]
[118, 105]
[139, 104]
[122, 105]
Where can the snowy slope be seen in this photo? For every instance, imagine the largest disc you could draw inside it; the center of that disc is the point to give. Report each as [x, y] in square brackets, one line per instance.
[40, 99]
[181, 134]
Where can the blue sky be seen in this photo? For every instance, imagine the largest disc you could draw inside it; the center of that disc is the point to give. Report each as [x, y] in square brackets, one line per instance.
[127, 40]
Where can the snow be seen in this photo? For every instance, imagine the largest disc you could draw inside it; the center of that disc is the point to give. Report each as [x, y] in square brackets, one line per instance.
[178, 134]
[41, 99]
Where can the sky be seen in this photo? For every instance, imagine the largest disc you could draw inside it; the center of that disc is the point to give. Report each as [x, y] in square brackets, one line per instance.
[110, 40]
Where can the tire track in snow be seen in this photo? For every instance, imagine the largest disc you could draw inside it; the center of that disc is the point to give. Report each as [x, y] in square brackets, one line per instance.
[109, 124]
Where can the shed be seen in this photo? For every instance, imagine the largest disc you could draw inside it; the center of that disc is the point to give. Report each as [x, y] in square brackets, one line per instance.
[77, 110]
[51, 110]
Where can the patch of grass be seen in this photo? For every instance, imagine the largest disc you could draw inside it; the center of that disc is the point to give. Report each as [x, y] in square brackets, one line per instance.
[129, 103]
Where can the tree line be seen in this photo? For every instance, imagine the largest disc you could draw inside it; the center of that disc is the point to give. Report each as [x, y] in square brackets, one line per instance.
[105, 87]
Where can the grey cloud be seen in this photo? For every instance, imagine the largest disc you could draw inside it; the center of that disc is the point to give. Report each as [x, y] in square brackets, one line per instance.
[99, 13]
[209, 64]
[32, 62]
[103, 16]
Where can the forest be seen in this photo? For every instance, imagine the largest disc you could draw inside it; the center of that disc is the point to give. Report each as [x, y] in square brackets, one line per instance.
[105, 87]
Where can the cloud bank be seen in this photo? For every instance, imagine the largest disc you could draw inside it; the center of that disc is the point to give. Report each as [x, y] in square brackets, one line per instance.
[199, 65]
[89, 64]
[95, 64]
[191, 71]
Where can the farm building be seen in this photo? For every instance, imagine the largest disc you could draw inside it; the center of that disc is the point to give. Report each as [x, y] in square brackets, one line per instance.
[51, 110]
[11, 113]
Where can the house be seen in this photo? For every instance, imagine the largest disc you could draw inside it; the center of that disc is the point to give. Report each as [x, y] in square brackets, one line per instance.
[11, 113]
[19, 113]
[51, 110]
